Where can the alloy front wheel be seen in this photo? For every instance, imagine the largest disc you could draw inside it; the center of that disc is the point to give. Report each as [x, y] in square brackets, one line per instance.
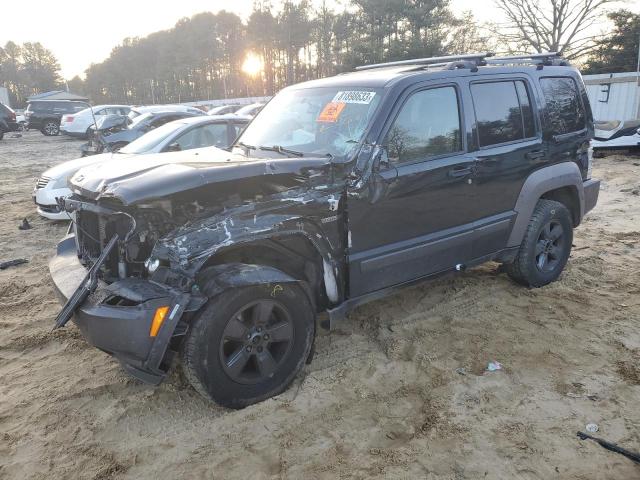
[255, 341]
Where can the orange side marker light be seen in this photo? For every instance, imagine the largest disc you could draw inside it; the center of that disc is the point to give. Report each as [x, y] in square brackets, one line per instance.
[158, 318]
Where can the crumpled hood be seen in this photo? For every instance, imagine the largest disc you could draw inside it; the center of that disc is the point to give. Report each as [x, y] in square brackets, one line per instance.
[66, 169]
[159, 175]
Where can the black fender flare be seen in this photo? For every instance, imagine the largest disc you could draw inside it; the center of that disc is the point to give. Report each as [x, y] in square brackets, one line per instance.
[565, 174]
[217, 279]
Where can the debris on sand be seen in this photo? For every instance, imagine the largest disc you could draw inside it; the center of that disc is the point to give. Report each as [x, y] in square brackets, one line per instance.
[25, 225]
[13, 263]
[493, 366]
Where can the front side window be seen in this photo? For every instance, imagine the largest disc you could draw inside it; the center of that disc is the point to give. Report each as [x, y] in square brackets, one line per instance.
[313, 121]
[565, 111]
[204, 136]
[503, 112]
[427, 126]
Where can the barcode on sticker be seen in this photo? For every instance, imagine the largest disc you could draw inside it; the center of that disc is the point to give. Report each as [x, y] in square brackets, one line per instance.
[354, 96]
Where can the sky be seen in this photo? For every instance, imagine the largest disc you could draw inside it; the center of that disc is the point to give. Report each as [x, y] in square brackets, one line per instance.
[80, 33]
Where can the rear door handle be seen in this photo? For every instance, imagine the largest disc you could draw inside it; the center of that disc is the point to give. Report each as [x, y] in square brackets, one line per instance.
[460, 171]
[536, 155]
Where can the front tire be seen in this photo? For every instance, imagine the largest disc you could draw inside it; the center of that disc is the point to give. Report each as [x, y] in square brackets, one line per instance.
[249, 343]
[546, 246]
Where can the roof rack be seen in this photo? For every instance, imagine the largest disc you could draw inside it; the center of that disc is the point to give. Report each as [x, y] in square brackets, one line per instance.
[544, 58]
[479, 58]
[473, 60]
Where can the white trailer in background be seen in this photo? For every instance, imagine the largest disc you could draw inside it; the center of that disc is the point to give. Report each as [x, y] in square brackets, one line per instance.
[614, 96]
[615, 102]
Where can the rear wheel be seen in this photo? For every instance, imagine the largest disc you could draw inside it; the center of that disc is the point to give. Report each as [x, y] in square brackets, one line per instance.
[50, 128]
[1, 134]
[546, 246]
[249, 343]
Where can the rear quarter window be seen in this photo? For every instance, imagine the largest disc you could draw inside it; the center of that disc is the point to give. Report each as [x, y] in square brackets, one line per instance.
[565, 111]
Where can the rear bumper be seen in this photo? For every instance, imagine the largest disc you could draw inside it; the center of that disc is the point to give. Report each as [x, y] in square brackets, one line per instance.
[122, 331]
[591, 191]
[73, 134]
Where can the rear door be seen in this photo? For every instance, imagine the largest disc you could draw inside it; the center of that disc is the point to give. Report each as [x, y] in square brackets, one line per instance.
[415, 216]
[566, 130]
[508, 148]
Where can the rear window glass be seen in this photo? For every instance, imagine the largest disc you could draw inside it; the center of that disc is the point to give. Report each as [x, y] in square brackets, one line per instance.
[503, 112]
[565, 112]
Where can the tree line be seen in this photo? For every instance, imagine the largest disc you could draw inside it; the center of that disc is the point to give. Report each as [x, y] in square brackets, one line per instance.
[202, 57]
[27, 69]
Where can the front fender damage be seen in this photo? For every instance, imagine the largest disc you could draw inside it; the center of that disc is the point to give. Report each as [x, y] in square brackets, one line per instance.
[314, 215]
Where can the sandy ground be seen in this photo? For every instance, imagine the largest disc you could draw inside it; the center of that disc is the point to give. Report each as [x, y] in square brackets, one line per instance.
[398, 391]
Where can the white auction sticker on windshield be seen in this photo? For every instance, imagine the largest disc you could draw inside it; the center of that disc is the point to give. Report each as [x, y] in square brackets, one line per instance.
[354, 96]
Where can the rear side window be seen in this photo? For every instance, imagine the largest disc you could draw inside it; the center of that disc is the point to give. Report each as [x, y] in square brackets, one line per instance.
[41, 107]
[565, 111]
[427, 126]
[503, 112]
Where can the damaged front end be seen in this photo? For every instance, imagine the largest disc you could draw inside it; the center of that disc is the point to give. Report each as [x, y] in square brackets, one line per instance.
[99, 273]
[128, 271]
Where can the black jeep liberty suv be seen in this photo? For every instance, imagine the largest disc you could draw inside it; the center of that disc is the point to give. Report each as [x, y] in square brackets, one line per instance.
[338, 192]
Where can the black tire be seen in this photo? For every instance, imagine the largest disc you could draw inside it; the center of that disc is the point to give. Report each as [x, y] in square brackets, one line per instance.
[1, 134]
[211, 351]
[546, 246]
[50, 128]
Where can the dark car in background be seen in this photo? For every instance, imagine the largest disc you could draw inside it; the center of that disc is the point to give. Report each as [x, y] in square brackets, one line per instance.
[45, 115]
[8, 121]
[115, 132]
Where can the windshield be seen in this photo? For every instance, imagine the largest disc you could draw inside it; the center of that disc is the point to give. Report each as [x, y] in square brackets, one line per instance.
[328, 120]
[152, 139]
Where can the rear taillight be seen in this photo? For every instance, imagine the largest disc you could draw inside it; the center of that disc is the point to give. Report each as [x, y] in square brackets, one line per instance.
[68, 119]
[12, 116]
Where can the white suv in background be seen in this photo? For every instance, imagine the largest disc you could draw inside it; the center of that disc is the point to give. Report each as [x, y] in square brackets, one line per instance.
[78, 124]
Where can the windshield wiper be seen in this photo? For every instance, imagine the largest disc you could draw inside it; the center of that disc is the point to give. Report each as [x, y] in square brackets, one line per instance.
[246, 147]
[282, 150]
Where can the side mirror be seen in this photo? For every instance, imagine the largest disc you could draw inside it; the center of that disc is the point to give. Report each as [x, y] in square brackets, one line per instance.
[174, 147]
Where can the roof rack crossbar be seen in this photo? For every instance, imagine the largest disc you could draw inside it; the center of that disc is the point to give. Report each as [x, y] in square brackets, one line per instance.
[533, 56]
[478, 57]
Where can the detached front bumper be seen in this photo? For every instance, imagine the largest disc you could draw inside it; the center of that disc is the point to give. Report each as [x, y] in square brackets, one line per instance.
[117, 318]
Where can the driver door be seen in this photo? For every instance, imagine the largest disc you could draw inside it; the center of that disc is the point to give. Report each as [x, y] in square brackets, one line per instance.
[414, 216]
